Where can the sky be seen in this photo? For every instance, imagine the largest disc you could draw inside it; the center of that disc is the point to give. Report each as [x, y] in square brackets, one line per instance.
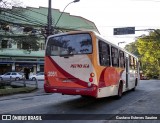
[110, 14]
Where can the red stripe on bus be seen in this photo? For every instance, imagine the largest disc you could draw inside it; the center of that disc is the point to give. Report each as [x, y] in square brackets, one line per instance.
[109, 76]
[67, 75]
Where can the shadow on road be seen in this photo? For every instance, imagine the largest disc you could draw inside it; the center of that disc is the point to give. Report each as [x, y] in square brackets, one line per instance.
[92, 105]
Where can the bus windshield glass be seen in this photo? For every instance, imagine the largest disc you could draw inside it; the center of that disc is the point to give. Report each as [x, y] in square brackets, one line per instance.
[73, 44]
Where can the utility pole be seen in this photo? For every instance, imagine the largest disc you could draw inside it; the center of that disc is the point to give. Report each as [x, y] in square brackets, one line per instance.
[49, 28]
[49, 24]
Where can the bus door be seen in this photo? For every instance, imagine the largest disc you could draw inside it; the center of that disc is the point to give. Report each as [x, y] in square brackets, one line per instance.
[127, 71]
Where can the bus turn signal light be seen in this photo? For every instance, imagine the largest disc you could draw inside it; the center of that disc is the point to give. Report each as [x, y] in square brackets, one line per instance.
[91, 79]
[92, 75]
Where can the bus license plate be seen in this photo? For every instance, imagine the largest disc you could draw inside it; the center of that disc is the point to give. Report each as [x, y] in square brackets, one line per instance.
[67, 80]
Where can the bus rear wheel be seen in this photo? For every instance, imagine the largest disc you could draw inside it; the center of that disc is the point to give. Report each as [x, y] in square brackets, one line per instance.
[136, 82]
[85, 96]
[120, 91]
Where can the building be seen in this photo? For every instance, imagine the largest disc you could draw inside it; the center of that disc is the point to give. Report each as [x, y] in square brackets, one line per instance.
[22, 36]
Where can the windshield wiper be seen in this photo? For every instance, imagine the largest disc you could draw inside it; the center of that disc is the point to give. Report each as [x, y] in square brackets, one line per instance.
[66, 55]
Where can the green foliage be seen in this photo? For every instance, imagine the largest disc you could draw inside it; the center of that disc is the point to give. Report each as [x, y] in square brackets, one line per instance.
[29, 42]
[149, 50]
[132, 48]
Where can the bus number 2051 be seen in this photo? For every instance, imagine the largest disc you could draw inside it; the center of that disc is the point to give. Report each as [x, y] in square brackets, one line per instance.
[52, 73]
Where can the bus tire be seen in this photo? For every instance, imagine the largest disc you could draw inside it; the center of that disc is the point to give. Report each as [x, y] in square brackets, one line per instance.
[85, 96]
[120, 91]
[136, 82]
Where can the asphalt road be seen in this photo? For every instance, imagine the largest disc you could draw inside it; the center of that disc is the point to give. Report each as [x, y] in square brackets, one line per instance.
[131, 102]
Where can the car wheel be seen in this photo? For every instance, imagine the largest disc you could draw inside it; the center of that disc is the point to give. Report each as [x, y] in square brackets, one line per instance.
[34, 79]
[17, 78]
[1, 78]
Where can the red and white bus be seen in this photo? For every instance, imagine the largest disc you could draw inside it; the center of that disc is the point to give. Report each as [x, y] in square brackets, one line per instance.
[84, 63]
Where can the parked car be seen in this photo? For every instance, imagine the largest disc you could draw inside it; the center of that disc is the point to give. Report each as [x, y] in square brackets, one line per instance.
[38, 76]
[144, 78]
[12, 76]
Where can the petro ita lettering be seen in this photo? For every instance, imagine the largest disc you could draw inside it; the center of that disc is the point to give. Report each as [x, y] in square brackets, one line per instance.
[79, 66]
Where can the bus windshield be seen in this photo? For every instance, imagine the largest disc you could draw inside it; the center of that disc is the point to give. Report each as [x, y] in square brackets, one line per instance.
[72, 44]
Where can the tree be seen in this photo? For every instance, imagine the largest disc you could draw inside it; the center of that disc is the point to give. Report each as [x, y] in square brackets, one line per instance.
[149, 49]
[29, 42]
[9, 3]
[132, 48]
[30, 38]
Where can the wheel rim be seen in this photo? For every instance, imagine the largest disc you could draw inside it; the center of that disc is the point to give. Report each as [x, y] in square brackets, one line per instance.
[17, 78]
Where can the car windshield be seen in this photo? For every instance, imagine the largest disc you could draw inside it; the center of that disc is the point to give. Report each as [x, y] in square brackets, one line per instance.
[21, 73]
[41, 73]
[72, 44]
[7, 73]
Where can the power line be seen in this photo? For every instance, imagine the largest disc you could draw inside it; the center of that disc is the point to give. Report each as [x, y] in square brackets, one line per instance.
[22, 17]
[38, 13]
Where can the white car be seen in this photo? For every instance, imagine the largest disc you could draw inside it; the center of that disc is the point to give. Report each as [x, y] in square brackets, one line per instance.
[12, 76]
[38, 76]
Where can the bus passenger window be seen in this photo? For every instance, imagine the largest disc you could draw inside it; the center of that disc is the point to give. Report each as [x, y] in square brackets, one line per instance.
[115, 59]
[104, 54]
[135, 63]
[121, 59]
[131, 62]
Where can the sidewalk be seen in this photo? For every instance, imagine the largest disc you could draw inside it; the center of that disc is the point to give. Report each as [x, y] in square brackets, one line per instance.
[38, 92]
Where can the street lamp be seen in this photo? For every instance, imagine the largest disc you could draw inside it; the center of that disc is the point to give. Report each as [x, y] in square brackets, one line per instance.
[50, 28]
[64, 9]
[121, 42]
